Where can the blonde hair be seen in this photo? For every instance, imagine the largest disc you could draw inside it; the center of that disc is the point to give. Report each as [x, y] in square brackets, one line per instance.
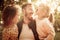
[51, 16]
[45, 7]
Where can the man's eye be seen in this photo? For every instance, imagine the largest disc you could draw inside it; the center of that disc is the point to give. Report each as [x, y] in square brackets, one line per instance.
[37, 10]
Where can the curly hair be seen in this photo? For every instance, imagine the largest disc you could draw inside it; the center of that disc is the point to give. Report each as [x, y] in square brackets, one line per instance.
[8, 14]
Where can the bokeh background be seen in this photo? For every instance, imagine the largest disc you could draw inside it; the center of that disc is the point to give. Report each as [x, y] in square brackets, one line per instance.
[54, 9]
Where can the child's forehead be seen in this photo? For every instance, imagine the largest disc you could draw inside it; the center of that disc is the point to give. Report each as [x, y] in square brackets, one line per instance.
[42, 6]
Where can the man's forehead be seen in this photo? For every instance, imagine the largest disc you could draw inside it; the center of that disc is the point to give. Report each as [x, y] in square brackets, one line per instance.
[29, 6]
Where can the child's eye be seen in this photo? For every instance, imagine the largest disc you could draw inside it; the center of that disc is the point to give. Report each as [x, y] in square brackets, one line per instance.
[37, 10]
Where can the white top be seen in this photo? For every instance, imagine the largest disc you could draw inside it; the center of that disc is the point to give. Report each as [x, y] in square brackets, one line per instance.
[26, 33]
[45, 29]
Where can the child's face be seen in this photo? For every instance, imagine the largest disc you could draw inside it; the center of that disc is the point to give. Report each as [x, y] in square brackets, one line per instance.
[42, 11]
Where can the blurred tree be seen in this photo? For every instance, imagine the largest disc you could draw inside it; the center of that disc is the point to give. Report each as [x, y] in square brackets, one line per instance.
[1, 4]
[57, 21]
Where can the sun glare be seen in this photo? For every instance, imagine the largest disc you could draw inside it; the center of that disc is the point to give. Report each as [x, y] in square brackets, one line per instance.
[29, 1]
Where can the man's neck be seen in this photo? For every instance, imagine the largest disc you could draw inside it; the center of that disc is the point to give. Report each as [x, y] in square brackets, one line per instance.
[26, 20]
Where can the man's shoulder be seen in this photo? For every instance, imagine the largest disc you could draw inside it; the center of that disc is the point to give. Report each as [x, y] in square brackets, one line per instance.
[20, 23]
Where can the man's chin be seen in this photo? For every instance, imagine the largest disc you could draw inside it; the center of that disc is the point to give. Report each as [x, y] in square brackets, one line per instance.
[30, 19]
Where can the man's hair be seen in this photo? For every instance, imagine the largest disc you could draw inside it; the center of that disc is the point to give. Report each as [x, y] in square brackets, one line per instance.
[24, 5]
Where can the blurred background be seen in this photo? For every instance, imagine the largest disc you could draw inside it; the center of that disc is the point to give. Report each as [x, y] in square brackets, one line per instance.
[54, 9]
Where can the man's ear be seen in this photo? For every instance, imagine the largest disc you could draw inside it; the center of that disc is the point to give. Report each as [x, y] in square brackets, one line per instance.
[23, 10]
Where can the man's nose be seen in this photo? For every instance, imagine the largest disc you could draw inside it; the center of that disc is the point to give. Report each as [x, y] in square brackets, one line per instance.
[32, 11]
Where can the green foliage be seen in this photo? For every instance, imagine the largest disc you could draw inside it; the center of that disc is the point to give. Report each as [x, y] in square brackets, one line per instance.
[0, 15]
[57, 22]
[57, 36]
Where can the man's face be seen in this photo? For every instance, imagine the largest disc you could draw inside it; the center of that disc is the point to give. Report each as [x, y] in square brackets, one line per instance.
[29, 12]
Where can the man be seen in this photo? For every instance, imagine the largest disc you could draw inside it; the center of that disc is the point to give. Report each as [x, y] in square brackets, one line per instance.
[27, 26]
